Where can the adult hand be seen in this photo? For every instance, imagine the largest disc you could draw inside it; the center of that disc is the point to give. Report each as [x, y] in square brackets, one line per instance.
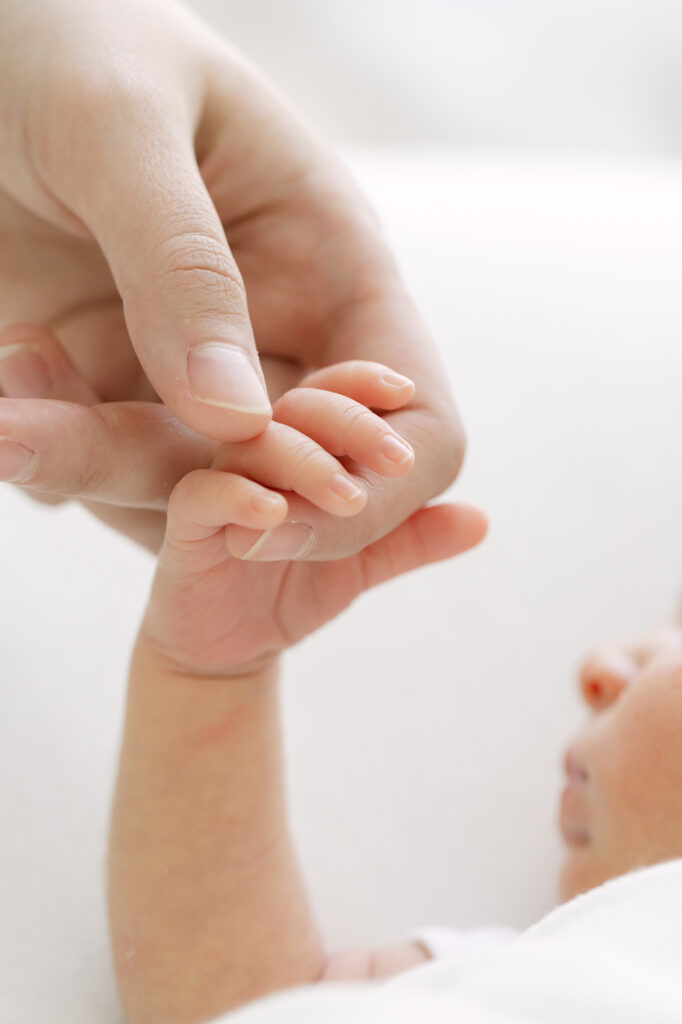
[135, 144]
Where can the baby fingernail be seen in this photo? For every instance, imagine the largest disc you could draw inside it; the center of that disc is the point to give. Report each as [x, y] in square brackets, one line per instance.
[396, 380]
[16, 461]
[266, 502]
[223, 375]
[24, 372]
[286, 542]
[396, 451]
[343, 487]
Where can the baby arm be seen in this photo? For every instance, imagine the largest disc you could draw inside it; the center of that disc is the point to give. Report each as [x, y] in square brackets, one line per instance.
[207, 905]
[208, 909]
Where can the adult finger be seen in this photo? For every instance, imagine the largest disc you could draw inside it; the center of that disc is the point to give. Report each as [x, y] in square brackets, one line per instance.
[431, 535]
[124, 453]
[139, 191]
[33, 364]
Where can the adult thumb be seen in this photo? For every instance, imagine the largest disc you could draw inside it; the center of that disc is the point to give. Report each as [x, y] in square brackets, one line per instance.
[183, 295]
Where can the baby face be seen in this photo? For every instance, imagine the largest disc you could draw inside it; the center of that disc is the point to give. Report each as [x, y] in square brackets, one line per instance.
[622, 805]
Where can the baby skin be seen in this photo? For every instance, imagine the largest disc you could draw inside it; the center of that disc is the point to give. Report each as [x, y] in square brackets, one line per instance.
[207, 905]
[622, 805]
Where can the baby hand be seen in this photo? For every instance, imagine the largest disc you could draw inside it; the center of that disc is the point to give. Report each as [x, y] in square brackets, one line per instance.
[327, 415]
[214, 610]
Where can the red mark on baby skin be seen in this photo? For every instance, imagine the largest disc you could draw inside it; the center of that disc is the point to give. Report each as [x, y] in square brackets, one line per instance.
[218, 732]
[594, 689]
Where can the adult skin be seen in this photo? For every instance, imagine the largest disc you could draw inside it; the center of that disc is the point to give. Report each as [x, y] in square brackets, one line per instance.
[150, 180]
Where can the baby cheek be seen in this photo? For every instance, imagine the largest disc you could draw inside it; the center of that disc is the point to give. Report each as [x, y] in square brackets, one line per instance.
[644, 771]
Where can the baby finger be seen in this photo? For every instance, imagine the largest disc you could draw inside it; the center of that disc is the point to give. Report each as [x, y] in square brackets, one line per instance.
[344, 427]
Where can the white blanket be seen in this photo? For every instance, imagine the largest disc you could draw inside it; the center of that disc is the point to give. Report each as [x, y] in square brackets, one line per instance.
[610, 957]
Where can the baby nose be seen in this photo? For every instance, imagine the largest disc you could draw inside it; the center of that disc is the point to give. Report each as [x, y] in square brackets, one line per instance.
[603, 677]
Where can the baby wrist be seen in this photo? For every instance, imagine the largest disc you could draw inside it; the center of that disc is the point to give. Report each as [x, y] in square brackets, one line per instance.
[158, 661]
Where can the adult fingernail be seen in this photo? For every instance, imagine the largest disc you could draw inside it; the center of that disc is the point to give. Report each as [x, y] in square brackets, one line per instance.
[223, 375]
[24, 372]
[396, 451]
[396, 380]
[287, 542]
[345, 488]
[16, 461]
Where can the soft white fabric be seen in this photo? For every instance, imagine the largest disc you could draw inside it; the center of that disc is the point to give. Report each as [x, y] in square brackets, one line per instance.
[464, 943]
[610, 957]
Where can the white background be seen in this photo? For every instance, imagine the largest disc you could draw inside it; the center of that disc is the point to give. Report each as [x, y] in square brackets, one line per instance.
[597, 76]
[425, 726]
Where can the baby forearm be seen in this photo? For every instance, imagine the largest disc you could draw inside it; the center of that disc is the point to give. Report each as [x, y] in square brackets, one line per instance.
[207, 906]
